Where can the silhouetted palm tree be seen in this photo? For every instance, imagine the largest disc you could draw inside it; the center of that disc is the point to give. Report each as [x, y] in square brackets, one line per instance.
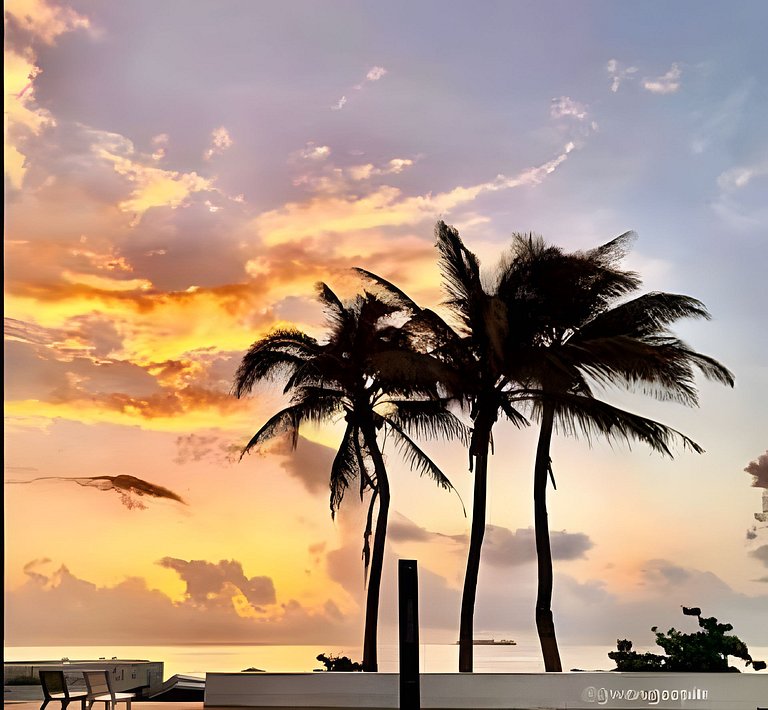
[342, 378]
[583, 334]
[474, 371]
[534, 336]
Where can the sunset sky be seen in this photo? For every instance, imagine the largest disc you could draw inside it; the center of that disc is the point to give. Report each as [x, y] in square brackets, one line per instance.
[179, 175]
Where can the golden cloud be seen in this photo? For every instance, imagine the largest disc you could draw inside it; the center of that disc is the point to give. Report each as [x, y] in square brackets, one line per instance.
[152, 186]
[44, 20]
[385, 206]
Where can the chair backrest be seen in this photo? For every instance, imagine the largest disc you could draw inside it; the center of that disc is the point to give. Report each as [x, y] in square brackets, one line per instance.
[53, 682]
[98, 683]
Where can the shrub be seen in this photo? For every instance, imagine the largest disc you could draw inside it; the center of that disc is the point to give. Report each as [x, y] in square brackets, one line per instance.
[339, 663]
[705, 651]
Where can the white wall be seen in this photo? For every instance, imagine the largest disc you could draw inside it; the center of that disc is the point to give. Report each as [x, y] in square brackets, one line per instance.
[510, 691]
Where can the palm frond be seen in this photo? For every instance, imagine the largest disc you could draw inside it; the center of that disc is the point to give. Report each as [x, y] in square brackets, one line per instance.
[344, 469]
[645, 315]
[658, 369]
[418, 460]
[400, 297]
[335, 311]
[286, 421]
[279, 352]
[414, 372]
[590, 416]
[614, 251]
[428, 419]
[461, 274]
[516, 417]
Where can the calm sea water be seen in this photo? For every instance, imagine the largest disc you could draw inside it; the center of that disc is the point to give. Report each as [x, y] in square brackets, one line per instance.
[525, 657]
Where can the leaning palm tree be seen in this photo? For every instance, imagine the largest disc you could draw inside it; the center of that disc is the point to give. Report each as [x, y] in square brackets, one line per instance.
[341, 378]
[583, 334]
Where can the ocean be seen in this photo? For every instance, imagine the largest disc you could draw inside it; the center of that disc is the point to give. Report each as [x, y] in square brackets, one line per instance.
[525, 657]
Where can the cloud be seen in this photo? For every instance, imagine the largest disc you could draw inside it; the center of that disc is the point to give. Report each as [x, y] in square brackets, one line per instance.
[372, 75]
[30, 567]
[723, 121]
[309, 462]
[401, 529]
[740, 176]
[667, 83]
[384, 206]
[759, 469]
[738, 203]
[159, 143]
[761, 553]
[220, 141]
[375, 73]
[618, 74]
[209, 584]
[42, 20]
[211, 448]
[150, 186]
[567, 107]
[503, 547]
[28, 23]
[129, 488]
[222, 605]
[312, 152]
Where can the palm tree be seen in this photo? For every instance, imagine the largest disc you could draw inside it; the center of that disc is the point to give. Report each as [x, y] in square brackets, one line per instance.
[511, 351]
[342, 378]
[474, 362]
[582, 334]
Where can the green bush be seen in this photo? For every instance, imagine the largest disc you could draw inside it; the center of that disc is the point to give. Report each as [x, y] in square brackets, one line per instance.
[705, 651]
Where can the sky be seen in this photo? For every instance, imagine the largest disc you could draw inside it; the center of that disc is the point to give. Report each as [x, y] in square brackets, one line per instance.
[179, 175]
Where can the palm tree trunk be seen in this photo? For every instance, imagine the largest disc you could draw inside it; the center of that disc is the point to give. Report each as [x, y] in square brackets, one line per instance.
[468, 595]
[370, 658]
[545, 624]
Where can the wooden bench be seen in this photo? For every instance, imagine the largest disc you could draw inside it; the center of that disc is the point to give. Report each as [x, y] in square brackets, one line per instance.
[55, 688]
[100, 691]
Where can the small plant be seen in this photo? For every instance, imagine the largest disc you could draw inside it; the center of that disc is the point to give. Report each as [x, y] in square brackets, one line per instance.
[705, 651]
[339, 663]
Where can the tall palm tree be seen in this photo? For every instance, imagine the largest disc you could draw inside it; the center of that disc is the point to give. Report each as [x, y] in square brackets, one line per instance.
[509, 353]
[474, 361]
[583, 334]
[340, 378]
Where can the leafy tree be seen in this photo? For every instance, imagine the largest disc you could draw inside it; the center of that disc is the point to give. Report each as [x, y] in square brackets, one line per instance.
[342, 378]
[704, 651]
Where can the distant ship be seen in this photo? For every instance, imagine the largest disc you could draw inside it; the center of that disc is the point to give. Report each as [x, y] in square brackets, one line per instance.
[492, 642]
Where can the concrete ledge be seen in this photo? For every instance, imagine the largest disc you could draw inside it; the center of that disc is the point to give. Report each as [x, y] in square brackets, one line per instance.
[500, 691]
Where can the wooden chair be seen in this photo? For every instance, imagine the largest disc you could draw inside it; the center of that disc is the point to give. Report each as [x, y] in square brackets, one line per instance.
[55, 688]
[100, 691]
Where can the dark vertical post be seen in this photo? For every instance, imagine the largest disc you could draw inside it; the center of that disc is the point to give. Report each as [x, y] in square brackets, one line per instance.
[408, 593]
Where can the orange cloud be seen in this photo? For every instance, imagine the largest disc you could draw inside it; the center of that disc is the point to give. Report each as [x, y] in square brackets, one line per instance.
[385, 206]
[44, 22]
[83, 612]
[151, 186]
